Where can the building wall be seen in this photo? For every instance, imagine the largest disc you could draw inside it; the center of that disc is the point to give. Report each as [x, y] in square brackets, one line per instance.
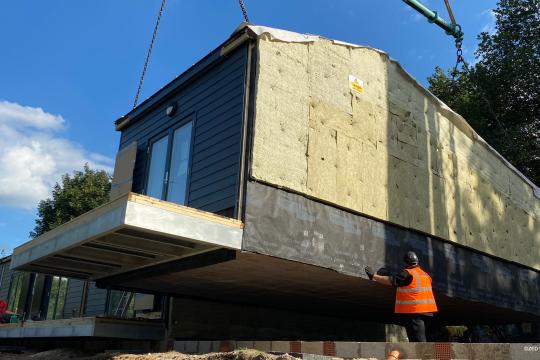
[5, 280]
[197, 319]
[74, 294]
[393, 152]
[215, 101]
[96, 301]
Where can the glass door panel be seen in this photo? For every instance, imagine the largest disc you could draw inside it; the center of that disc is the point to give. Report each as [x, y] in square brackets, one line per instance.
[178, 175]
[156, 173]
[57, 297]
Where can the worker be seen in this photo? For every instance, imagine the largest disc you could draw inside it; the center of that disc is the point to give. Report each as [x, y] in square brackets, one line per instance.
[5, 314]
[414, 296]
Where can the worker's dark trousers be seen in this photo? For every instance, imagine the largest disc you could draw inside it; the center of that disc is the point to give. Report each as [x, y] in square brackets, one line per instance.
[416, 326]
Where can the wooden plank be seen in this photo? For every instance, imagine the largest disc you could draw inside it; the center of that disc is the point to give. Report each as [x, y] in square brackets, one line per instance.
[168, 206]
[123, 171]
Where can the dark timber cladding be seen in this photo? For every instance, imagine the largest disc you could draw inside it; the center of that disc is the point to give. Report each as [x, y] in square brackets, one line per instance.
[293, 227]
[211, 94]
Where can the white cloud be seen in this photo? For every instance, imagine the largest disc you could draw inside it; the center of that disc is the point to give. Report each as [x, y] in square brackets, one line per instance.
[33, 155]
[489, 27]
[19, 116]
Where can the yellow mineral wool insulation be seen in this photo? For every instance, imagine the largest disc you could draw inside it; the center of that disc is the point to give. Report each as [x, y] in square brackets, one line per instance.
[282, 133]
[385, 147]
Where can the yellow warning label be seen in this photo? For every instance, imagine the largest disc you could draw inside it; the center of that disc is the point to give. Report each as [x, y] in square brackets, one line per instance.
[356, 84]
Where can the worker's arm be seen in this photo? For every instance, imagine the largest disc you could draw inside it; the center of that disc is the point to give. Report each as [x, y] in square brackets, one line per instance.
[401, 279]
[382, 279]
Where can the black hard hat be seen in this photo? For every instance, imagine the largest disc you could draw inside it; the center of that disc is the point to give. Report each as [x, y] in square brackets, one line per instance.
[410, 258]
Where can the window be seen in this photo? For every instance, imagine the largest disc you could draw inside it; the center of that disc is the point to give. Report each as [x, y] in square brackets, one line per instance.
[156, 175]
[57, 298]
[120, 304]
[18, 291]
[169, 165]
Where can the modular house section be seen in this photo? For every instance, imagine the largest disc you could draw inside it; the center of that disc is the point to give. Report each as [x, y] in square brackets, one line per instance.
[176, 184]
[266, 176]
[346, 125]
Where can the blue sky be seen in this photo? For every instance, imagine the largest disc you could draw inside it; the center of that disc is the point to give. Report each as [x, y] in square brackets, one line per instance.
[68, 69]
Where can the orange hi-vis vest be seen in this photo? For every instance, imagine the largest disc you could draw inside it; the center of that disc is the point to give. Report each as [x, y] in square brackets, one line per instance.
[417, 297]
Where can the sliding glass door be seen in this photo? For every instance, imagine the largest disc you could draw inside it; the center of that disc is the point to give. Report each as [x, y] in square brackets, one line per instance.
[168, 170]
[57, 298]
[156, 174]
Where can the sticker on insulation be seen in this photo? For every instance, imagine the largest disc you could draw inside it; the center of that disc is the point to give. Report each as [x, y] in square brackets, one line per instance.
[356, 85]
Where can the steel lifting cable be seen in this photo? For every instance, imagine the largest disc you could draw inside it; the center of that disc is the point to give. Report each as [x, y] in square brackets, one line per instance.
[244, 11]
[461, 60]
[154, 35]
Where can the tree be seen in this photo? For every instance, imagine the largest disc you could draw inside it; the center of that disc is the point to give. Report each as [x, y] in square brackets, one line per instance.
[507, 75]
[75, 196]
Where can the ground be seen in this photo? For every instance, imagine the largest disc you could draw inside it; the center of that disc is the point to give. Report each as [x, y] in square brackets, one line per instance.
[64, 354]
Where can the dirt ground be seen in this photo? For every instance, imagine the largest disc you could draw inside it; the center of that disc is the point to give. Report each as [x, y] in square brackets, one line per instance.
[64, 354]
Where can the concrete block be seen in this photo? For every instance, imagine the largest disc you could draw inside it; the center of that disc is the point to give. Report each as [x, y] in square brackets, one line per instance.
[347, 349]
[179, 346]
[525, 351]
[245, 345]
[215, 345]
[205, 347]
[281, 346]
[312, 347]
[191, 347]
[262, 345]
[373, 350]
[492, 351]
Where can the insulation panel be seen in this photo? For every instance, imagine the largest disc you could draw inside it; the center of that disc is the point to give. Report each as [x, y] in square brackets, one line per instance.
[392, 151]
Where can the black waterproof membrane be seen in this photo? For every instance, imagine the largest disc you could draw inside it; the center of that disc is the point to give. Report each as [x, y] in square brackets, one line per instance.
[294, 227]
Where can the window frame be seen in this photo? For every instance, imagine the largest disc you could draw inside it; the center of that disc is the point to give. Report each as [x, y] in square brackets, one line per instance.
[57, 312]
[169, 134]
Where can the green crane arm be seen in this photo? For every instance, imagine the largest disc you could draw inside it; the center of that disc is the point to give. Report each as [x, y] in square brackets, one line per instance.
[432, 16]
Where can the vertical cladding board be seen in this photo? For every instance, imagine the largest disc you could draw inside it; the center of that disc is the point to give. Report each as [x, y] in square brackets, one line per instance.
[74, 295]
[96, 301]
[6, 280]
[214, 99]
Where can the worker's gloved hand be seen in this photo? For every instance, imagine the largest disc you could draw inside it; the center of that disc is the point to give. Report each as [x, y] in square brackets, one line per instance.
[369, 272]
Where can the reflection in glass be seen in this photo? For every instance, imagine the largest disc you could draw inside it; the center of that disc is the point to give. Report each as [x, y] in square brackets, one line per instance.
[156, 174]
[176, 191]
[57, 298]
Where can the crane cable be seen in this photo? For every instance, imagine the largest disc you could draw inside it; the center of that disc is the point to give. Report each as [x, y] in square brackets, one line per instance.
[461, 60]
[149, 54]
[154, 35]
[244, 11]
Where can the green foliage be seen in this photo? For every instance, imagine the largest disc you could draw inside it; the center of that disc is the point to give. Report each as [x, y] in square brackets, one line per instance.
[507, 74]
[75, 196]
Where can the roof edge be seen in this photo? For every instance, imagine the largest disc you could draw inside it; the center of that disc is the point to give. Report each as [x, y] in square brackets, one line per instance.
[236, 39]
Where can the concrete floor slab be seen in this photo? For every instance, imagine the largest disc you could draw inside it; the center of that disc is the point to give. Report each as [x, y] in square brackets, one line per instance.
[131, 232]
